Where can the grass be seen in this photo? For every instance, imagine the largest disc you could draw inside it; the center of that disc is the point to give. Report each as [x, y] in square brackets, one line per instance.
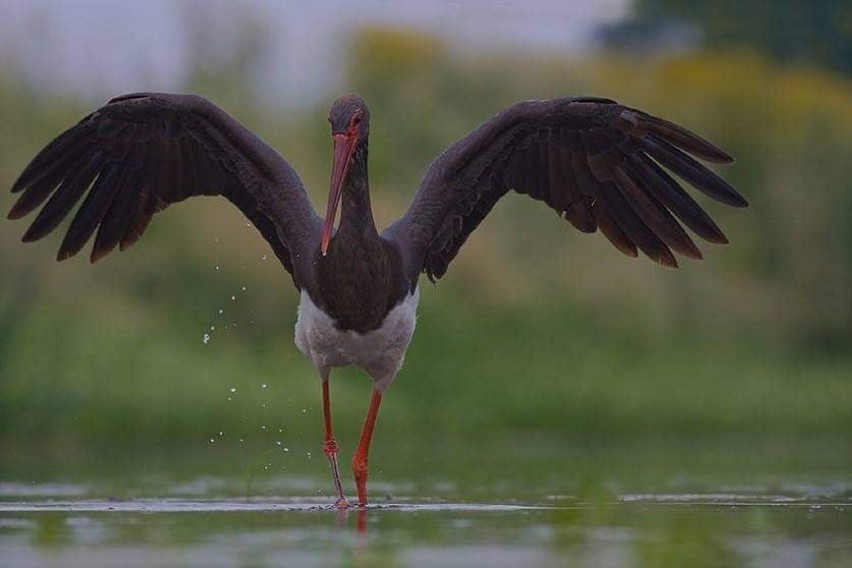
[534, 393]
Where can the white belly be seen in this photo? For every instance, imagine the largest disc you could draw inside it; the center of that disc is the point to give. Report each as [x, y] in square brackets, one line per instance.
[380, 352]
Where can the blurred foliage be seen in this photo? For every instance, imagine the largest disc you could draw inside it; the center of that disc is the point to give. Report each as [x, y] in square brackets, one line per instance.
[538, 333]
[816, 31]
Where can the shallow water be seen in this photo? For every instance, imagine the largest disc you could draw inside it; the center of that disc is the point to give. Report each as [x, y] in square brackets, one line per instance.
[198, 522]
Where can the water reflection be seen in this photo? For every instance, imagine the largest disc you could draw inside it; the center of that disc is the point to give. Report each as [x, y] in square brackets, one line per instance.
[722, 528]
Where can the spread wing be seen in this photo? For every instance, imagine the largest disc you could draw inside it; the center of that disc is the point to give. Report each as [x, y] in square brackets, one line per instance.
[597, 163]
[142, 152]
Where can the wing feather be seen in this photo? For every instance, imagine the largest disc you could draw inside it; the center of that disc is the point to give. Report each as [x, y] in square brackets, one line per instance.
[597, 163]
[140, 153]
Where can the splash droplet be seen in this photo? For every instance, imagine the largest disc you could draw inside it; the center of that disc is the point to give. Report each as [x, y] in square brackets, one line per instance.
[263, 385]
[206, 338]
[232, 389]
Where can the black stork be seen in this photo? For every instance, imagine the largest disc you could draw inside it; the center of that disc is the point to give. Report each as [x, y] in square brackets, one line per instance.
[598, 164]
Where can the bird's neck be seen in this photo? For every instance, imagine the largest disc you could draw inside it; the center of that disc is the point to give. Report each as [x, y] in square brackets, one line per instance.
[356, 281]
[356, 214]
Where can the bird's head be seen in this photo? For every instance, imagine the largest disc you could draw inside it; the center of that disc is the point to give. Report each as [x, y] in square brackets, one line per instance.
[350, 126]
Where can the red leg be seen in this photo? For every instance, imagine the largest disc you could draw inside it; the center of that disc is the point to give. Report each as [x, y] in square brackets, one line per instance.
[330, 447]
[359, 460]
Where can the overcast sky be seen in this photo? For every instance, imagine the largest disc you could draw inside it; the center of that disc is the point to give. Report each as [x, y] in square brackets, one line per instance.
[97, 48]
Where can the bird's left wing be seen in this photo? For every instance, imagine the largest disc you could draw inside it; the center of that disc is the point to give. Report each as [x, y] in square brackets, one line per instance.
[139, 153]
[597, 163]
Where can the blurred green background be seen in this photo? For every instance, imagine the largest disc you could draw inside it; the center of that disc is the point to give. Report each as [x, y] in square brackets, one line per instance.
[544, 353]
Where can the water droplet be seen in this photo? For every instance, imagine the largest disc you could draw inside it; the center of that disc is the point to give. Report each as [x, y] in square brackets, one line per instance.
[241, 440]
[212, 440]
[304, 411]
[263, 404]
[206, 338]
[243, 288]
[221, 311]
[286, 449]
[263, 385]
[230, 398]
[278, 442]
[220, 433]
[263, 427]
[233, 297]
[280, 430]
[212, 328]
[309, 455]
[233, 389]
[216, 267]
[264, 257]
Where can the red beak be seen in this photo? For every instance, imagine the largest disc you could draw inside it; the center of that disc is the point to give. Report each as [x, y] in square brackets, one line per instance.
[344, 145]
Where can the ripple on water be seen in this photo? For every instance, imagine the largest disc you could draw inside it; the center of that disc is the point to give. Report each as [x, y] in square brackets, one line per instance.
[210, 494]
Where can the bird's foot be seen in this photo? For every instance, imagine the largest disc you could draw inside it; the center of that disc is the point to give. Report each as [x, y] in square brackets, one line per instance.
[330, 449]
[359, 469]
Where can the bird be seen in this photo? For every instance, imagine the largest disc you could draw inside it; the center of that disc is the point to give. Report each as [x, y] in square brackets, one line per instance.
[596, 163]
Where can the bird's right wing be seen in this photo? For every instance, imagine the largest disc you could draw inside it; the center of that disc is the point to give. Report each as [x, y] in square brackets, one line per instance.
[596, 163]
[140, 153]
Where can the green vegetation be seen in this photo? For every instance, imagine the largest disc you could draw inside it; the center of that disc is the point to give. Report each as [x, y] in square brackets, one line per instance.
[789, 30]
[541, 348]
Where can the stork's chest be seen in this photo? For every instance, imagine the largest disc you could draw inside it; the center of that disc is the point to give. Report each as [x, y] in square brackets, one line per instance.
[359, 281]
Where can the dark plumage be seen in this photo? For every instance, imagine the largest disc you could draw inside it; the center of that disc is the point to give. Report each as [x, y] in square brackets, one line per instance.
[596, 163]
[149, 150]
[587, 158]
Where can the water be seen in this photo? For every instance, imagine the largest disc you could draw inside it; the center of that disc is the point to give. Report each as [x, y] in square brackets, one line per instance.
[205, 521]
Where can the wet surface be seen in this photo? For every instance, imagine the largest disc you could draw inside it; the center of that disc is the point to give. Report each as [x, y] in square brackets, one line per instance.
[71, 525]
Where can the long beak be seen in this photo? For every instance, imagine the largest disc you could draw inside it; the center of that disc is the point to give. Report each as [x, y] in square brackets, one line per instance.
[344, 145]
